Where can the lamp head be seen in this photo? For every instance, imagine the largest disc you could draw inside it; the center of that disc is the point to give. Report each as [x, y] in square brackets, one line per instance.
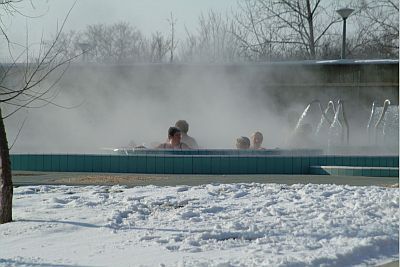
[345, 12]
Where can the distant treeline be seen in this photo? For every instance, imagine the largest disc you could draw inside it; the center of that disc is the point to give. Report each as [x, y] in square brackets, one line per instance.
[258, 30]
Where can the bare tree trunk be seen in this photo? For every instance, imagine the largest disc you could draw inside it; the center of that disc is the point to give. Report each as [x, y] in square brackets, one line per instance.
[311, 29]
[6, 187]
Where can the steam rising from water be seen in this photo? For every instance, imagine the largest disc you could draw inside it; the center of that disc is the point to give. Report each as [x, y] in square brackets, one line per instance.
[138, 104]
[125, 104]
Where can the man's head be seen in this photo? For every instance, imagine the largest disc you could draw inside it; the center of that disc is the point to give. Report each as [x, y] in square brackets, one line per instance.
[243, 142]
[257, 139]
[174, 135]
[183, 125]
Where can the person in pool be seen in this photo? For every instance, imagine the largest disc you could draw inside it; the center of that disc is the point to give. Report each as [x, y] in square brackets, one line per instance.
[243, 142]
[174, 140]
[257, 139]
[184, 127]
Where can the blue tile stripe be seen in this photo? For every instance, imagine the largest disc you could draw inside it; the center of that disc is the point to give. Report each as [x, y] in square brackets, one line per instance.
[200, 163]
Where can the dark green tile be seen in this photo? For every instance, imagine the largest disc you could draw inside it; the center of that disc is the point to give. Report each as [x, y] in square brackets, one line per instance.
[330, 160]
[261, 165]
[350, 172]
[14, 163]
[252, 165]
[160, 164]
[224, 164]
[375, 162]
[314, 161]
[141, 164]
[353, 161]
[151, 164]
[305, 164]
[366, 172]
[272, 165]
[39, 162]
[338, 161]
[383, 162]
[106, 163]
[395, 161]
[385, 173]
[391, 162]
[169, 165]
[63, 163]
[123, 164]
[376, 172]
[178, 165]
[324, 171]
[234, 165]
[88, 163]
[55, 163]
[132, 164]
[206, 165]
[70, 163]
[47, 162]
[114, 164]
[346, 161]
[342, 171]
[96, 163]
[362, 161]
[216, 165]
[30, 163]
[243, 165]
[280, 165]
[357, 172]
[188, 165]
[297, 169]
[322, 161]
[394, 173]
[197, 165]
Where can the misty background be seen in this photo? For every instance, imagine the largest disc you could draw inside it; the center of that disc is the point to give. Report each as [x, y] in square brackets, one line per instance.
[147, 64]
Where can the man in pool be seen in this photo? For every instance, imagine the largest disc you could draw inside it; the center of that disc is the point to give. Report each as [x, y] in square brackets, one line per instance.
[174, 140]
[188, 140]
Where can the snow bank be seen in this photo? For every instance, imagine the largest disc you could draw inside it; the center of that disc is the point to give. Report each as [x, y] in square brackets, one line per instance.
[208, 225]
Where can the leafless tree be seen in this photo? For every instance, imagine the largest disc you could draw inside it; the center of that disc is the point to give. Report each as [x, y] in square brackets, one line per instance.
[174, 43]
[213, 41]
[116, 43]
[24, 85]
[377, 33]
[158, 47]
[296, 26]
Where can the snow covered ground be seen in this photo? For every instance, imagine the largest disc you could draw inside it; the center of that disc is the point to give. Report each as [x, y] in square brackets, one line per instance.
[208, 225]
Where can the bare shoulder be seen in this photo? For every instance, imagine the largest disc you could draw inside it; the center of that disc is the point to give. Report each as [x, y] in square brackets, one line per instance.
[184, 146]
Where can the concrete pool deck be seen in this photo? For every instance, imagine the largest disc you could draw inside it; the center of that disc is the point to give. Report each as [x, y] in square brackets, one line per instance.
[21, 178]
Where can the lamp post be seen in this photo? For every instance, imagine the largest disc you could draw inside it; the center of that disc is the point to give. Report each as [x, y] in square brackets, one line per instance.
[85, 47]
[344, 13]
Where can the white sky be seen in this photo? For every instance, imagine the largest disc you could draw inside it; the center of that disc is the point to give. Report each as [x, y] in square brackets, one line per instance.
[147, 15]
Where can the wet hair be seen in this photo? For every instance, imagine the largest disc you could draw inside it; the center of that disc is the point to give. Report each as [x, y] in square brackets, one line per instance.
[183, 125]
[173, 130]
[243, 142]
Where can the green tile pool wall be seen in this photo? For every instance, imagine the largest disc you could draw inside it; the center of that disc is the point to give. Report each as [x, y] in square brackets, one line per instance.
[192, 164]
